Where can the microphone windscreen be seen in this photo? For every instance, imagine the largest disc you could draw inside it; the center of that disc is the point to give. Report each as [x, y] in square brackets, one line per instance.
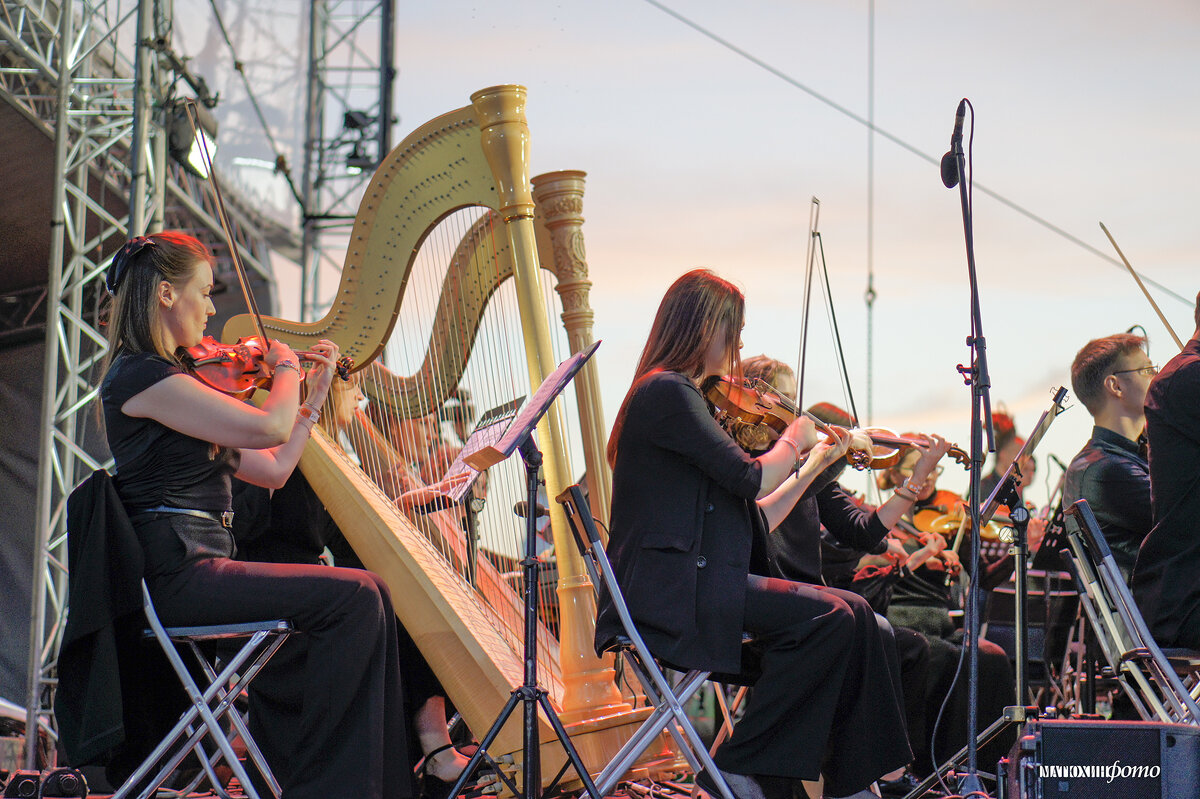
[949, 170]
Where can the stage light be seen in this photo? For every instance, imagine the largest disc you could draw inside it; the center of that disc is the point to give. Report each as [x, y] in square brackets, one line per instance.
[357, 120]
[358, 160]
[184, 145]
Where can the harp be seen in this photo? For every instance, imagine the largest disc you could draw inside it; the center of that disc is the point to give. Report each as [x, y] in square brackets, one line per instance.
[462, 611]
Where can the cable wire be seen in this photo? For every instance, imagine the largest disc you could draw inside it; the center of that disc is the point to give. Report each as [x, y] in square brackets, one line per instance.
[281, 165]
[894, 139]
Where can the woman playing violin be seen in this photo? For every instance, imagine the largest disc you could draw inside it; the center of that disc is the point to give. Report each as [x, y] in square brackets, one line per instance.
[177, 444]
[690, 510]
[796, 546]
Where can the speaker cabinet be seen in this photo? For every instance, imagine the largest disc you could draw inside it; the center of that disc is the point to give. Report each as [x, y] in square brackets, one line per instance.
[1103, 760]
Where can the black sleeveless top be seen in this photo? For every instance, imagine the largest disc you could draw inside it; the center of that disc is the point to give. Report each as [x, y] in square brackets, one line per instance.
[155, 464]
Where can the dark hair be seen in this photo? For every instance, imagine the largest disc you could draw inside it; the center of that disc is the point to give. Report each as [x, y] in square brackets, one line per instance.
[133, 279]
[697, 308]
[1095, 362]
[1197, 312]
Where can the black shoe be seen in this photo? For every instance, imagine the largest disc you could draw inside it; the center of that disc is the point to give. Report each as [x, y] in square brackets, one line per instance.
[742, 786]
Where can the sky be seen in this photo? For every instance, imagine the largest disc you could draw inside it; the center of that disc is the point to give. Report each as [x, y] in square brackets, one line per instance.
[700, 155]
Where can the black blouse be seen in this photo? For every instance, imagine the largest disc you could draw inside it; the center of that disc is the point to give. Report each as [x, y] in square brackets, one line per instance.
[155, 464]
[684, 526]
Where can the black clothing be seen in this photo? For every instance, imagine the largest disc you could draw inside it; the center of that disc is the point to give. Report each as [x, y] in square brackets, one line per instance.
[155, 464]
[291, 525]
[116, 697]
[792, 706]
[1111, 474]
[352, 739]
[682, 542]
[683, 516]
[795, 546]
[1166, 578]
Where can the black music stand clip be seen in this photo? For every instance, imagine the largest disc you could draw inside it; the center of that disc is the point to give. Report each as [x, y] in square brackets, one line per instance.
[519, 438]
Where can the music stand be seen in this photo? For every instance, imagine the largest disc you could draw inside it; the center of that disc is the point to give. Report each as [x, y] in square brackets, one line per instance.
[461, 477]
[519, 437]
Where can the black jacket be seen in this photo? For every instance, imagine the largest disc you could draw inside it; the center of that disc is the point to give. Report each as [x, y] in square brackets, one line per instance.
[684, 526]
[1110, 473]
[116, 696]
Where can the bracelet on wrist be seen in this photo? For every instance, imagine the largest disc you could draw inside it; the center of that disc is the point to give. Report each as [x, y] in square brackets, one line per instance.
[795, 449]
[915, 487]
[903, 493]
[287, 363]
[308, 412]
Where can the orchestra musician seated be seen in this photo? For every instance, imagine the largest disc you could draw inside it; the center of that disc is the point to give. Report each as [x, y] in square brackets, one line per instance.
[177, 444]
[1166, 577]
[690, 512]
[1110, 376]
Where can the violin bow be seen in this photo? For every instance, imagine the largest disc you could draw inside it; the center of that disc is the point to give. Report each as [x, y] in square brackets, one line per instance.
[815, 243]
[1142, 286]
[252, 306]
[814, 214]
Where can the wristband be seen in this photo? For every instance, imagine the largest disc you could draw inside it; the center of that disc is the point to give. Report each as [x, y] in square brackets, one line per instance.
[912, 485]
[902, 492]
[308, 412]
[795, 448]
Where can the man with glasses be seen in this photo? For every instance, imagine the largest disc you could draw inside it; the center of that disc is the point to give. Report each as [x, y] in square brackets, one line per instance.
[1110, 377]
[1166, 579]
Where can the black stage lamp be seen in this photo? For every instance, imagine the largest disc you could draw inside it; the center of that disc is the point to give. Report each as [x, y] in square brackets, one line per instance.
[184, 144]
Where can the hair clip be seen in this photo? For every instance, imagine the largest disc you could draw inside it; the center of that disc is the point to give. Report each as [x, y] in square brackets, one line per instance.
[121, 261]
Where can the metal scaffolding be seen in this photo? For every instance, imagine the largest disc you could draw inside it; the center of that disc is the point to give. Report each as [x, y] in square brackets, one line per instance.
[348, 124]
[68, 69]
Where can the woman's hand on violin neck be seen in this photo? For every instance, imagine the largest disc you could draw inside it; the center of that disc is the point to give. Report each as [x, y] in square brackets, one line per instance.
[930, 455]
[324, 354]
[802, 432]
[278, 351]
[827, 452]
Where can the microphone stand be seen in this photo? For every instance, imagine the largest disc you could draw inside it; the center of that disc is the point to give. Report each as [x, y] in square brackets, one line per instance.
[979, 379]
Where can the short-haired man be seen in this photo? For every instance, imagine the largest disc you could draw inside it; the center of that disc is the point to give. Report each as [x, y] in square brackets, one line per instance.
[1110, 377]
[1166, 579]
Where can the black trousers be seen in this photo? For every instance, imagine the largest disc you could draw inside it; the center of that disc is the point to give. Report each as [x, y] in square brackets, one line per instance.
[351, 739]
[947, 698]
[828, 698]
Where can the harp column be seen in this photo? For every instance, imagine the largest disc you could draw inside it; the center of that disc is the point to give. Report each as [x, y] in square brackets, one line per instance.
[559, 198]
[589, 690]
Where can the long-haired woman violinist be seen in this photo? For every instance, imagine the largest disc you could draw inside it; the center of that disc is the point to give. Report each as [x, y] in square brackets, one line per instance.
[177, 443]
[689, 512]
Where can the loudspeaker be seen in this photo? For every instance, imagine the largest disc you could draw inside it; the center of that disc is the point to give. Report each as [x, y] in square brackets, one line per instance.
[1102, 760]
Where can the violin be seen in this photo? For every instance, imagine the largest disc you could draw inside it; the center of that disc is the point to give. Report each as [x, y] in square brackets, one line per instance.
[755, 403]
[948, 512]
[239, 369]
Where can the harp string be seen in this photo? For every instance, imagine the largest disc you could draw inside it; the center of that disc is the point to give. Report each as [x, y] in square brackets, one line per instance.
[402, 449]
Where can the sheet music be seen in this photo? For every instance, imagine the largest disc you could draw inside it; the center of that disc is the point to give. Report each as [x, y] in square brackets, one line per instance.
[533, 411]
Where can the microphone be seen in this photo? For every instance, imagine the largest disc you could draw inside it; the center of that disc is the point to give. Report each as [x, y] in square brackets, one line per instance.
[950, 174]
[522, 510]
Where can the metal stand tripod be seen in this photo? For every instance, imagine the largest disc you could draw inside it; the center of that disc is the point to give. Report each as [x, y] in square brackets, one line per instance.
[529, 694]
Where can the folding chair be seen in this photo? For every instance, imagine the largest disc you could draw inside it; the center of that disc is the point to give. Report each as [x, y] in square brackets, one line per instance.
[210, 705]
[667, 702]
[1153, 678]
